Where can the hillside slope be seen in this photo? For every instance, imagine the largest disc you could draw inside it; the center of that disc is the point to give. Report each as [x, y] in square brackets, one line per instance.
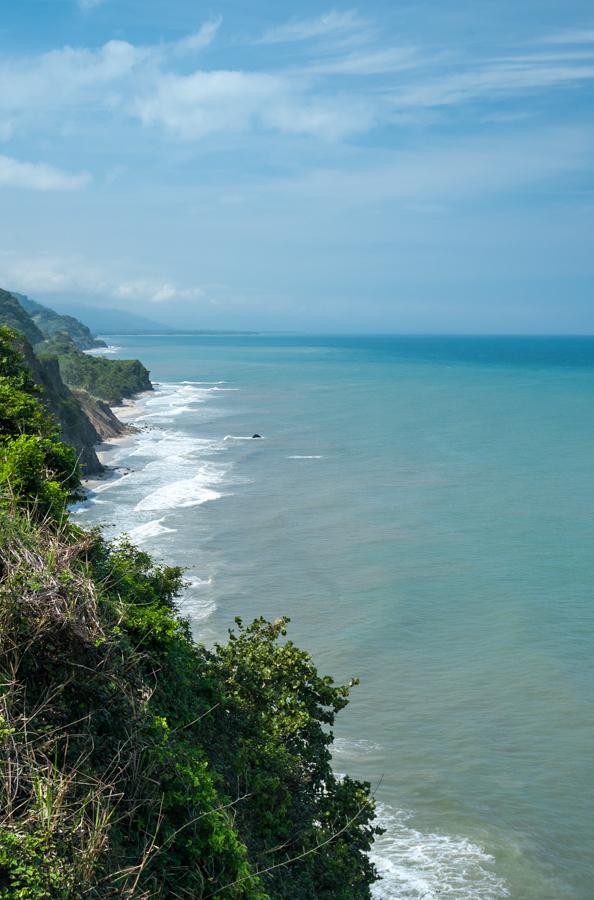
[110, 380]
[76, 428]
[82, 411]
[50, 323]
[15, 316]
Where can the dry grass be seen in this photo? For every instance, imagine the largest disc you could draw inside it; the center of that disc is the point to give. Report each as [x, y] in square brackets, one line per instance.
[49, 784]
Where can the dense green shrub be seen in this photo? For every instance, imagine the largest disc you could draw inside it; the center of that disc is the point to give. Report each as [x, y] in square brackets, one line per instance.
[36, 469]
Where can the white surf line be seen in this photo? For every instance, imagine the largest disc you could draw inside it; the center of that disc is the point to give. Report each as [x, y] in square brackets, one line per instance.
[423, 866]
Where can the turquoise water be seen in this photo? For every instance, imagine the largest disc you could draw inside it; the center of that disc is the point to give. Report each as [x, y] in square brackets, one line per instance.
[422, 509]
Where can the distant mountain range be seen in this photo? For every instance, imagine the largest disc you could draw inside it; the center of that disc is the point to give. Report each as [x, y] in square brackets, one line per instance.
[114, 321]
[43, 323]
[118, 321]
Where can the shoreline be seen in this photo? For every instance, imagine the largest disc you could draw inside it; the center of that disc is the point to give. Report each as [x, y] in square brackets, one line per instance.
[199, 604]
[126, 413]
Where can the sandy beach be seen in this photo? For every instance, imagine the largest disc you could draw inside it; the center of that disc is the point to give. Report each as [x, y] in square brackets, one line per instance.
[127, 413]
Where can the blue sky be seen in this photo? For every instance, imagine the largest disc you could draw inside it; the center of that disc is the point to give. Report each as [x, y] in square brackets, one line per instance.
[415, 166]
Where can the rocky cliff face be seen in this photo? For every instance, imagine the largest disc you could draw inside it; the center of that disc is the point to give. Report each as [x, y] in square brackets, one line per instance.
[102, 418]
[64, 372]
[77, 429]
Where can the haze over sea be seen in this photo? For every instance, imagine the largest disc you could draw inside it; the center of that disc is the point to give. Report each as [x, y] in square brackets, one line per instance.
[422, 509]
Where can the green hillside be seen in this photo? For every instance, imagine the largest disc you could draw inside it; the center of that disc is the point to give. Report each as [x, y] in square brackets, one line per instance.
[51, 323]
[58, 365]
[107, 379]
[15, 316]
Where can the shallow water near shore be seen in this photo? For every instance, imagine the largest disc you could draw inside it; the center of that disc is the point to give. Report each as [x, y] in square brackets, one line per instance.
[423, 510]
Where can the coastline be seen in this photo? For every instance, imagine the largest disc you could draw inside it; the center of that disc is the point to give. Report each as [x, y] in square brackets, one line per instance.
[126, 413]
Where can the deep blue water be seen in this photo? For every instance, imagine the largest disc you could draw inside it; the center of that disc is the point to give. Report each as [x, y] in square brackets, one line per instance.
[423, 509]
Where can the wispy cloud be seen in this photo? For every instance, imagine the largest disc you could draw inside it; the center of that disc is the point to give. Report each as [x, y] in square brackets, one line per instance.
[194, 106]
[500, 79]
[155, 291]
[46, 274]
[63, 78]
[372, 62]
[39, 176]
[124, 81]
[201, 39]
[332, 22]
[570, 36]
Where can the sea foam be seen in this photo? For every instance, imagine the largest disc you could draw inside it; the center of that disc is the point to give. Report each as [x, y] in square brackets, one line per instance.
[418, 866]
[193, 603]
[151, 529]
[178, 495]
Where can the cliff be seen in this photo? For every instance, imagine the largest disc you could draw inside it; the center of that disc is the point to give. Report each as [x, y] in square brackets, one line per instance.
[110, 380]
[101, 416]
[76, 387]
[76, 428]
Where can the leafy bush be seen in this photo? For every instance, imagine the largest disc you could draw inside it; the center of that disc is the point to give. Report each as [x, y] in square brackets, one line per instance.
[36, 469]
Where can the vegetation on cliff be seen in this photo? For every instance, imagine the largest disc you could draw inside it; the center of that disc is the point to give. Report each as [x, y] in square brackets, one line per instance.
[134, 762]
[13, 315]
[76, 387]
[49, 323]
[76, 428]
[110, 380]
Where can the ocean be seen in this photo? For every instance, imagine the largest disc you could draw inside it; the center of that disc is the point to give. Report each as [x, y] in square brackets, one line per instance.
[423, 510]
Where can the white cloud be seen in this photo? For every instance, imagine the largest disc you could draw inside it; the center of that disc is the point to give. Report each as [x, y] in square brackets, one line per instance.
[501, 79]
[571, 36]
[155, 291]
[202, 38]
[64, 78]
[194, 106]
[44, 274]
[373, 62]
[38, 176]
[332, 22]
[120, 80]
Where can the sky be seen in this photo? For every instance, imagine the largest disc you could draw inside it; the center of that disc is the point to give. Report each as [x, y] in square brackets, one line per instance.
[394, 166]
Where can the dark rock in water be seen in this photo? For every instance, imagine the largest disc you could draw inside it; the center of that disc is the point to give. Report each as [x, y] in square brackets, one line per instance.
[256, 436]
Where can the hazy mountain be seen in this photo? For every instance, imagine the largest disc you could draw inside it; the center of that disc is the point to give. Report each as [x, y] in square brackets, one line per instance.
[113, 321]
[51, 323]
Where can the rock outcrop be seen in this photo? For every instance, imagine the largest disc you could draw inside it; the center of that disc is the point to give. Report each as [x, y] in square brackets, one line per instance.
[76, 428]
[101, 416]
[67, 375]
